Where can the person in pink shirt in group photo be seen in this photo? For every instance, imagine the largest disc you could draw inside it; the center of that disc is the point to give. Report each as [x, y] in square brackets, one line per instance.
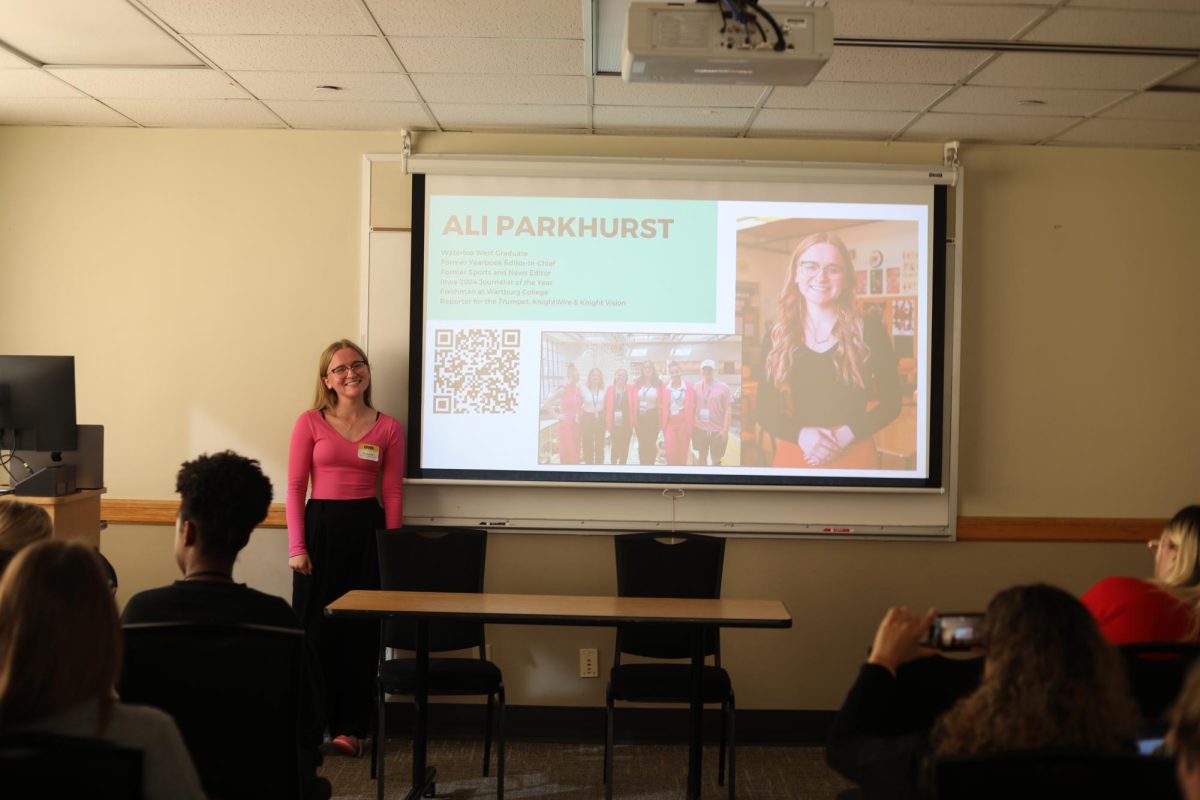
[345, 449]
[714, 413]
[678, 410]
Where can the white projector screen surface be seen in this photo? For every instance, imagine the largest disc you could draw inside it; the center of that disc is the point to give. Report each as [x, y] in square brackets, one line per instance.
[678, 331]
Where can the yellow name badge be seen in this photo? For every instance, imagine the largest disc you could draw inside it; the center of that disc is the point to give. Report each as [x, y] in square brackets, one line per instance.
[368, 452]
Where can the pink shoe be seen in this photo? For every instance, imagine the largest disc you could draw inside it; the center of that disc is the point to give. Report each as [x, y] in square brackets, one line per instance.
[347, 745]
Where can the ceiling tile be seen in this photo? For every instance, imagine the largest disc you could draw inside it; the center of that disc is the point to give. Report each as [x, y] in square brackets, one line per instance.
[856, 96]
[634, 118]
[491, 56]
[1188, 78]
[1076, 70]
[60, 111]
[313, 17]
[167, 83]
[543, 89]
[864, 19]
[1177, 106]
[466, 116]
[1133, 132]
[297, 53]
[610, 90]
[10, 61]
[355, 86]
[159, 113]
[985, 128]
[890, 65]
[562, 19]
[351, 116]
[1129, 28]
[1002, 100]
[807, 122]
[33, 83]
[110, 32]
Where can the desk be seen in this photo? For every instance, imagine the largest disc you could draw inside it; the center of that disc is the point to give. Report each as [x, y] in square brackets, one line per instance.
[528, 609]
[75, 516]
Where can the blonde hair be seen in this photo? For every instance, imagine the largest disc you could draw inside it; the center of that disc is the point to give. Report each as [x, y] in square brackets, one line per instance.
[1182, 578]
[787, 336]
[22, 524]
[60, 641]
[326, 398]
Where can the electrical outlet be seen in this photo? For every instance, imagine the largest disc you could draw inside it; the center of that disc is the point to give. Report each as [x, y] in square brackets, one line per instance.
[589, 666]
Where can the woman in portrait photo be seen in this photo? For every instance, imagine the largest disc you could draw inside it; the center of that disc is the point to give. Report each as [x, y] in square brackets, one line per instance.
[830, 380]
[678, 413]
[569, 400]
[591, 417]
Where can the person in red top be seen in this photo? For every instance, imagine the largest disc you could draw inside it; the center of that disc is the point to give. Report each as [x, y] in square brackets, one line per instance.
[678, 411]
[569, 400]
[1167, 609]
[345, 448]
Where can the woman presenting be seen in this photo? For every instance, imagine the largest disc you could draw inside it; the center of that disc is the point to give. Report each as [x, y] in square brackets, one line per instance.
[826, 366]
[678, 412]
[648, 396]
[569, 400]
[345, 448]
[620, 410]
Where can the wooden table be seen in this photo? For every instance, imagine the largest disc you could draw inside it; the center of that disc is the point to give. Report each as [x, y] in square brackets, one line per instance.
[528, 609]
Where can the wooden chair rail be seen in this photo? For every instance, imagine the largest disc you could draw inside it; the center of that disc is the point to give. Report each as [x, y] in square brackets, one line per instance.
[970, 529]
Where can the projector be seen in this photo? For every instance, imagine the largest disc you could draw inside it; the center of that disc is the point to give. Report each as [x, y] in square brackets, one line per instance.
[696, 43]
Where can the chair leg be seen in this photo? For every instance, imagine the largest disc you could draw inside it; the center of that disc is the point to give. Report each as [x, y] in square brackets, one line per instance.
[721, 744]
[609, 744]
[487, 737]
[500, 745]
[732, 751]
[379, 743]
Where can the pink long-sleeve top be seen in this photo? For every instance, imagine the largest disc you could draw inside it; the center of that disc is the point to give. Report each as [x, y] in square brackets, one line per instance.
[343, 470]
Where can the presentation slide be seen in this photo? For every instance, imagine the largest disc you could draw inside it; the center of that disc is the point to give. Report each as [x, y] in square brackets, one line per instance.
[693, 331]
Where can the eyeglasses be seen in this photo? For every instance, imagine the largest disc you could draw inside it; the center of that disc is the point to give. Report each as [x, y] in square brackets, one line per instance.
[811, 268]
[344, 368]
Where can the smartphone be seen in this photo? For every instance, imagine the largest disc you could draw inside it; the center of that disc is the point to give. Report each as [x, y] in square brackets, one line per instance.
[956, 631]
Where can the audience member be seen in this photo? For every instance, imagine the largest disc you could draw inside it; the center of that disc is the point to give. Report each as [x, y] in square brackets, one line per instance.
[1184, 736]
[1166, 609]
[1050, 681]
[224, 496]
[21, 524]
[60, 652]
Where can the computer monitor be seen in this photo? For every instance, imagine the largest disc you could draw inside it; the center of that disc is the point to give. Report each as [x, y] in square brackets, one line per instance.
[37, 403]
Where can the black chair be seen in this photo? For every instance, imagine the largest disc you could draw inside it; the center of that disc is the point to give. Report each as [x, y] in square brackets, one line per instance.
[437, 560]
[1055, 774]
[44, 765]
[222, 683]
[685, 565]
[1156, 673]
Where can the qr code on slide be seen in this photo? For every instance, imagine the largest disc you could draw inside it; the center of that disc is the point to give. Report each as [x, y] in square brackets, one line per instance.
[476, 371]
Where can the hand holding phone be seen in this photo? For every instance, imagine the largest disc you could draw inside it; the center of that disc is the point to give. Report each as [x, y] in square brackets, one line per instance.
[956, 632]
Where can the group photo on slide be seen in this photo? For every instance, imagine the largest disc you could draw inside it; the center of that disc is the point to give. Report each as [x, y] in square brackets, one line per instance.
[828, 309]
[640, 399]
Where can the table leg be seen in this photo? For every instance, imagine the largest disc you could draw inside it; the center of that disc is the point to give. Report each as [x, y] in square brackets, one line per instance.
[422, 776]
[697, 717]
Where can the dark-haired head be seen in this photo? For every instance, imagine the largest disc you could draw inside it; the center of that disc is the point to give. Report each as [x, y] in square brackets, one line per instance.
[224, 496]
[1051, 680]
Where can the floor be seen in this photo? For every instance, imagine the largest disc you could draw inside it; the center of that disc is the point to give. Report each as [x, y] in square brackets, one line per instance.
[574, 771]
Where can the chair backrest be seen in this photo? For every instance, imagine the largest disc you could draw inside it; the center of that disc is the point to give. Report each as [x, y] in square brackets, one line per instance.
[432, 560]
[44, 765]
[1156, 673]
[235, 693]
[667, 565]
[1035, 774]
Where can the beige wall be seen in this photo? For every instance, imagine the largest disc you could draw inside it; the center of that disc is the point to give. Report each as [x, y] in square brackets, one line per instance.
[195, 276]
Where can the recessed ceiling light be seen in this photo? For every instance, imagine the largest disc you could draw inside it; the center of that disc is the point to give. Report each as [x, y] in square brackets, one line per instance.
[1031, 102]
